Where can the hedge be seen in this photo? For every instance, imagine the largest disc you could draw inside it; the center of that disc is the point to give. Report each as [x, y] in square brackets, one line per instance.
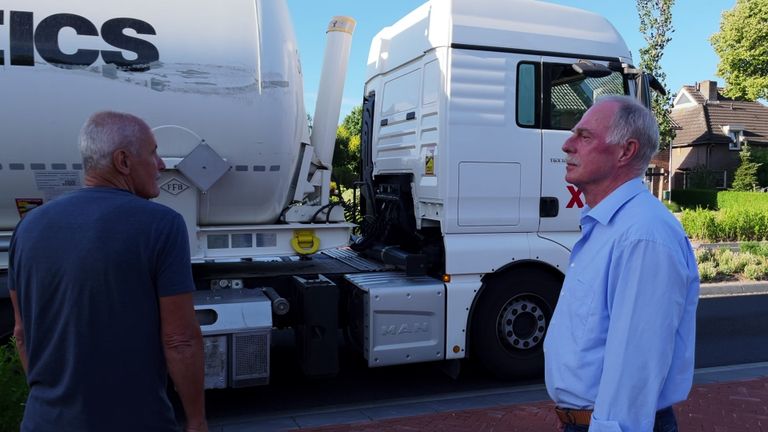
[745, 200]
[745, 224]
[13, 388]
[695, 198]
[714, 200]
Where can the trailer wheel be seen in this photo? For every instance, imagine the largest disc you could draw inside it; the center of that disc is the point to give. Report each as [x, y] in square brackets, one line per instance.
[510, 321]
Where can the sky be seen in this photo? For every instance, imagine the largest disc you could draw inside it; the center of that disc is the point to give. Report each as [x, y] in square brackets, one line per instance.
[688, 58]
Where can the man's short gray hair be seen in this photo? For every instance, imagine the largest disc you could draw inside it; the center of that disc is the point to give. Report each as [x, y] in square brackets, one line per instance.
[633, 120]
[107, 131]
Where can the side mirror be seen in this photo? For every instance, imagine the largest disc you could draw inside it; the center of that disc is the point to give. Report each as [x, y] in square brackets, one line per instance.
[645, 83]
[656, 85]
[643, 89]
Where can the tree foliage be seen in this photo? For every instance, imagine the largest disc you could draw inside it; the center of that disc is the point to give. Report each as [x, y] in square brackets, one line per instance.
[760, 156]
[742, 44]
[346, 157]
[745, 178]
[656, 27]
[353, 122]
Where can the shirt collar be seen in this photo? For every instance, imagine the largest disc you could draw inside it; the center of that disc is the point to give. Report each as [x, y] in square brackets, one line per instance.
[605, 209]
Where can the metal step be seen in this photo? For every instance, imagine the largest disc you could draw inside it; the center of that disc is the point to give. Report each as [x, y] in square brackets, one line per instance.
[352, 259]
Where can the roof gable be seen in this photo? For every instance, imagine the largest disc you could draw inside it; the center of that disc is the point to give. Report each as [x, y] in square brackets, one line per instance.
[702, 122]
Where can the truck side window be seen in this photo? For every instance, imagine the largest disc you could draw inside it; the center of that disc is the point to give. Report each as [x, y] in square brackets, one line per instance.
[568, 94]
[526, 95]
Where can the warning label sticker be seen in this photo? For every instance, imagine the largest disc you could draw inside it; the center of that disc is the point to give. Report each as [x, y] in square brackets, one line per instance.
[25, 205]
[55, 183]
[429, 163]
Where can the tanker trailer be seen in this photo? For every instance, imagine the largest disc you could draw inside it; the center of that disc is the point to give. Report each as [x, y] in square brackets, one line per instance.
[221, 86]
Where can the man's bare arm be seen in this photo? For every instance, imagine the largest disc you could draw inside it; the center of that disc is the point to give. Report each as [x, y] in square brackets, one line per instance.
[183, 345]
[18, 331]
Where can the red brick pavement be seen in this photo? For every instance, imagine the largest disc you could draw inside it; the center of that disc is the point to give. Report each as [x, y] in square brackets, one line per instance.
[739, 406]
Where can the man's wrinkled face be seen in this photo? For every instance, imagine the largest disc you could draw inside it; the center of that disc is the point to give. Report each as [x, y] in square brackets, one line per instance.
[145, 167]
[591, 161]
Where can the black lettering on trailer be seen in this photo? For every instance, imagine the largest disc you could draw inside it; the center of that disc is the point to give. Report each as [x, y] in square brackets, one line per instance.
[112, 33]
[22, 44]
[47, 40]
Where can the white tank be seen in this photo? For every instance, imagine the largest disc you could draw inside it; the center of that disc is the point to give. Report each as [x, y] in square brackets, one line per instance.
[199, 67]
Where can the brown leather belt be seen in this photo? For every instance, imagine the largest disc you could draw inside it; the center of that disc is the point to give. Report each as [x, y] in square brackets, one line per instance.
[583, 417]
[574, 416]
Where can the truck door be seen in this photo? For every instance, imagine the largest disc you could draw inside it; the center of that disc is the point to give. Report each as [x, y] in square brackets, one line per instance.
[495, 160]
[565, 97]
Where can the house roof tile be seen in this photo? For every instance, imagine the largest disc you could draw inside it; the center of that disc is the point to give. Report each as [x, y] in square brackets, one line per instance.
[702, 123]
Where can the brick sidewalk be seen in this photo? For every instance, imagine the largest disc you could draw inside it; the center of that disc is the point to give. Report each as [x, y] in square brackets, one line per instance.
[739, 406]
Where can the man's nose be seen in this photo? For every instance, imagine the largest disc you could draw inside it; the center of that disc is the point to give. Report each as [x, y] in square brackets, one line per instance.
[160, 164]
[567, 146]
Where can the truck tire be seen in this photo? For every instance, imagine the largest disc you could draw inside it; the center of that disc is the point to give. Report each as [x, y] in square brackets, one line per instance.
[510, 321]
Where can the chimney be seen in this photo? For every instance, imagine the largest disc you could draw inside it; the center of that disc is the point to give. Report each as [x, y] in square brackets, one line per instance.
[708, 89]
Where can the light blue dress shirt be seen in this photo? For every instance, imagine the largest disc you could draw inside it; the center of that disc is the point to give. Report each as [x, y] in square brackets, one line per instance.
[622, 337]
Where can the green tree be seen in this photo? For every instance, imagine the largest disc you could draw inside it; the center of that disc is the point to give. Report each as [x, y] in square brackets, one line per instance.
[346, 156]
[353, 122]
[742, 45]
[745, 178]
[760, 155]
[656, 27]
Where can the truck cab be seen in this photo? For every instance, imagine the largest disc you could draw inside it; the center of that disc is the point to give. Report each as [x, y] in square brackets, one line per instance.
[466, 108]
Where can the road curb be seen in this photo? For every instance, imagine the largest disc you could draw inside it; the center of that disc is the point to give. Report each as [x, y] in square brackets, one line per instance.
[723, 289]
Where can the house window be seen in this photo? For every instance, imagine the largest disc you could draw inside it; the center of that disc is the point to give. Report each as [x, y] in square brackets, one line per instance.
[734, 140]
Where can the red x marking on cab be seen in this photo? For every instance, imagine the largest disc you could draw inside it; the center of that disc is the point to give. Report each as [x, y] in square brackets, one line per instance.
[575, 197]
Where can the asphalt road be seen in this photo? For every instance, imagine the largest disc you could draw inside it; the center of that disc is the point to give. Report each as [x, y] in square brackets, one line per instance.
[731, 330]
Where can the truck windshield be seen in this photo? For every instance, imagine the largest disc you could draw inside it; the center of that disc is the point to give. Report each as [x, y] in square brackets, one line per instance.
[568, 94]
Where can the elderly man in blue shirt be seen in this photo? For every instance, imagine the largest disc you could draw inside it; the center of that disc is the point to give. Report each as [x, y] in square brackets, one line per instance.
[620, 348]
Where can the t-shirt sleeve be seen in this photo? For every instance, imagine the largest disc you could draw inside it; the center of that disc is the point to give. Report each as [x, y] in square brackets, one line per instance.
[174, 271]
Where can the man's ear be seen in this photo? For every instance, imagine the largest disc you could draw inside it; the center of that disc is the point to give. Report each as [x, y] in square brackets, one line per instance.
[121, 161]
[629, 150]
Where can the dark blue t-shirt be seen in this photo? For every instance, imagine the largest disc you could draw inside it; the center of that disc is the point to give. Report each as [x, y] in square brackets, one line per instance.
[88, 269]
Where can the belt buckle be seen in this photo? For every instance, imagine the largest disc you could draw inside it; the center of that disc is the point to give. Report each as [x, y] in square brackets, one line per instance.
[571, 416]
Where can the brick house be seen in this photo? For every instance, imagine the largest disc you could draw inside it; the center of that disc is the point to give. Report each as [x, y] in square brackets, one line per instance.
[657, 174]
[711, 129]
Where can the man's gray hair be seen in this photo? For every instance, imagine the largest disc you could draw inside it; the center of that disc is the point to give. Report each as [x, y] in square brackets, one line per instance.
[106, 132]
[633, 120]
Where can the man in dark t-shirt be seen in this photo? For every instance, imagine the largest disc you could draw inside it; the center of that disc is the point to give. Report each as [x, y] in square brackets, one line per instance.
[101, 285]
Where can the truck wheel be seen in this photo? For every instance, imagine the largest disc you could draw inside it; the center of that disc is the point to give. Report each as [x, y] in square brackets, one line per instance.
[510, 321]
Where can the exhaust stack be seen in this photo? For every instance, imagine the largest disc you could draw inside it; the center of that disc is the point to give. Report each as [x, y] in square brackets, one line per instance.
[328, 105]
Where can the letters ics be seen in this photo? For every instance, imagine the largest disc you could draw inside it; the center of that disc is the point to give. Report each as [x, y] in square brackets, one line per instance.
[25, 38]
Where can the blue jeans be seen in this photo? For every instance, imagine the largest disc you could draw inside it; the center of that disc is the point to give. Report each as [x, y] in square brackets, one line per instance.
[665, 422]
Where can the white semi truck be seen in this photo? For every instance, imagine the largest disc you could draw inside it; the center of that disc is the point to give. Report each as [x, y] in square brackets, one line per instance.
[467, 221]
